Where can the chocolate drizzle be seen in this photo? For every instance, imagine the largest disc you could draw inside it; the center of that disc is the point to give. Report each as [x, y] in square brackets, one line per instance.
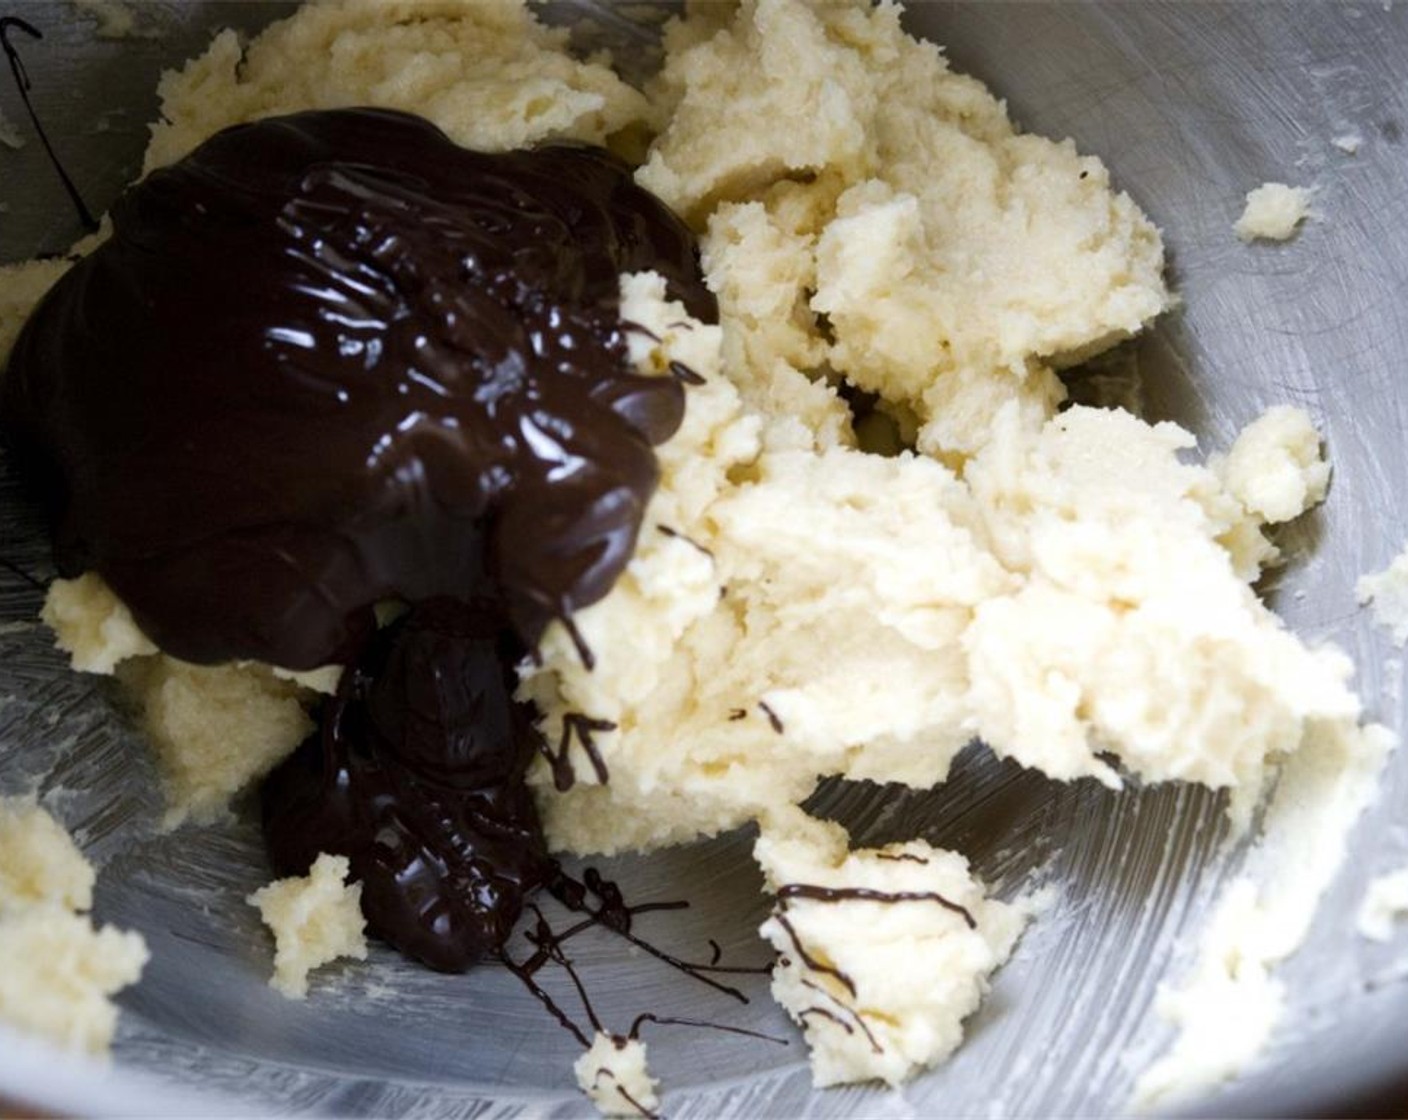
[332, 359]
[579, 643]
[808, 892]
[548, 948]
[24, 85]
[675, 1021]
[613, 914]
[864, 894]
[840, 1022]
[774, 720]
[15, 569]
[611, 911]
[639, 328]
[683, 374]
[581, 727]
[855, 1015]
[675, 534]
[640, 1108]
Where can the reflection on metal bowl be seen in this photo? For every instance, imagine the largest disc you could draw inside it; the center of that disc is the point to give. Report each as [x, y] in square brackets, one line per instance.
[1191, 105]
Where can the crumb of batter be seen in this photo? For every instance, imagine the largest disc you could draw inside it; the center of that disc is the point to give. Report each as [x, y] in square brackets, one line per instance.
[882, 953]
[216, 729]
[1275, 469]
[115, 20]
[1274, 211]
[1387, 593]
[1385, 902]
[39, 863]
[614, 1075]
[60, 972]
[315, 919]
[92, 625]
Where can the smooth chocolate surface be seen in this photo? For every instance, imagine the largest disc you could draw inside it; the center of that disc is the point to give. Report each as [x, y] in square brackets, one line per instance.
[333, 358]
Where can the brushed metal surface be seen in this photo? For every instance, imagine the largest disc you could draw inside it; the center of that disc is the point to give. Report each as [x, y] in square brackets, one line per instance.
[1190, 104]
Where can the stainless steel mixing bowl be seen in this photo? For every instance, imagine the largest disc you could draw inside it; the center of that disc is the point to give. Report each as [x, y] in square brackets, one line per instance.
[1191, 104]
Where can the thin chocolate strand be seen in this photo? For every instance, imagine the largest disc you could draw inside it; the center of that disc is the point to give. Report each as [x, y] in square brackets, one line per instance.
[677, 535]
[582, 727]
[855, 1015]
[544, 937]
[639, 328]
[545, 999]
[645, 1112]
[584, 651]
[773, 718]
[712, 966]
[22, 82]
[840, 1022]
[672, 1021]
[683, 374]
[617, 919]
[864, 894]
[810, 961]
[656, 907]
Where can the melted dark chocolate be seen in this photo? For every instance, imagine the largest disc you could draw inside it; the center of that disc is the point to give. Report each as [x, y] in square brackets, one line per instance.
[416, 775]
[331, 359]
